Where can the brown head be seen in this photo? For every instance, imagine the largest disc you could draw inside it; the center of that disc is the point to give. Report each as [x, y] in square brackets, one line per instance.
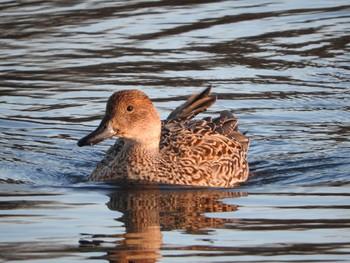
[130, 115]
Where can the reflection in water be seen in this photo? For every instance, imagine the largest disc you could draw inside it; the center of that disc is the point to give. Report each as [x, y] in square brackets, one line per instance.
[147, 212]
[146, 225]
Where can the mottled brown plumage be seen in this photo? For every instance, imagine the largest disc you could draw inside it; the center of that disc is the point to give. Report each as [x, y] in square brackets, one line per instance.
[179, 150]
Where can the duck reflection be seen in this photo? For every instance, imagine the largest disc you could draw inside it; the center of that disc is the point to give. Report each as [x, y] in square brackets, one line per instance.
[148, 211]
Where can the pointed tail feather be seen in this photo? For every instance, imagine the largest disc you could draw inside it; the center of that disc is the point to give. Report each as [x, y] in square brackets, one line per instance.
[195, 104]
[227, 124]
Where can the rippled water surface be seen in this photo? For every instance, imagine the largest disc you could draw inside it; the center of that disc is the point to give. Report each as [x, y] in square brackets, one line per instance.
[282, 67]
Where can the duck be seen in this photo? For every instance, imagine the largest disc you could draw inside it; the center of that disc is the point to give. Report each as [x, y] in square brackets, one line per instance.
[180, 150]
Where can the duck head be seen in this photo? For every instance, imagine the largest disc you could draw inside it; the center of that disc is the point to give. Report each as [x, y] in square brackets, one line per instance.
[130, 115]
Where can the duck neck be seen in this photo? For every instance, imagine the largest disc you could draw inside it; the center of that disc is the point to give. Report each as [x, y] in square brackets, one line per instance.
[150, 146]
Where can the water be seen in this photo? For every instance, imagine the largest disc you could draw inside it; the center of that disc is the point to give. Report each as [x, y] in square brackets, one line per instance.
[281, 66]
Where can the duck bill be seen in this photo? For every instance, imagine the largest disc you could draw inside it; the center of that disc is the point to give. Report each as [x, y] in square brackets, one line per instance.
[103, 131]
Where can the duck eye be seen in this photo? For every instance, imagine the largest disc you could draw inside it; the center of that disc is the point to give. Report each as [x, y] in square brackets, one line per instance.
[129, 108]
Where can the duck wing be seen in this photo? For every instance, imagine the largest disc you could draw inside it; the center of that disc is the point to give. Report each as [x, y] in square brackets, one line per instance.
[207, 152]
[210, 137]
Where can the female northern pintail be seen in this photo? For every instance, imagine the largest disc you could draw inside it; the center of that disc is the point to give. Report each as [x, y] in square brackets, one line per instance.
[179, 150]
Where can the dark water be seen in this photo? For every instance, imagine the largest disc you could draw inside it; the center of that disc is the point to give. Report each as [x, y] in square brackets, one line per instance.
[283, 67]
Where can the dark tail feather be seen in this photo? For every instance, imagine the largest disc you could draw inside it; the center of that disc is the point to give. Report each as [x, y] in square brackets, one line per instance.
[195, 104]
[227, 124]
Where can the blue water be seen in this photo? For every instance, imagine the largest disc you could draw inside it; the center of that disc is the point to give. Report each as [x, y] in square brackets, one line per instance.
[281, 67]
